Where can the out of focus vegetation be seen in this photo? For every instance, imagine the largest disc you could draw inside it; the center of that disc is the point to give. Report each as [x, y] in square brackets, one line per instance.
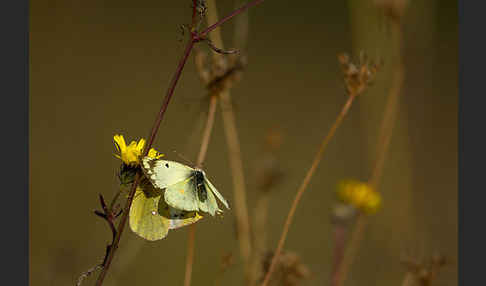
[100, 68]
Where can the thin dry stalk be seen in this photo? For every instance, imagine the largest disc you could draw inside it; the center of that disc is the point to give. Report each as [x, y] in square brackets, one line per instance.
[195, 37]
[268, 174]
[386, 130]
[240, 206]
[226, 262]
[422, 273]
[389, 118]
[207, 131]
[340, 234]
[408, 279]
[121, 226]
[236, 164]
[240, 36]
[260, 218]
[200, 159]
[218, 73]
[191, 241]
[88, 273]
[305, 183]
[350, 251]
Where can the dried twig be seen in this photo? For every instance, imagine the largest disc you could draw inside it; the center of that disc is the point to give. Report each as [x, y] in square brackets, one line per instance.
[391, 109]
[357, 79]
[240, 206]
[422, 273]
[195, 37]
[202, 155]
[305, 183]
[88, 273]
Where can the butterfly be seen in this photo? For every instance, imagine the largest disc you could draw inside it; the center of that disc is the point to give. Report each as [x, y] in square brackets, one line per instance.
[186, 188]
[151, 218]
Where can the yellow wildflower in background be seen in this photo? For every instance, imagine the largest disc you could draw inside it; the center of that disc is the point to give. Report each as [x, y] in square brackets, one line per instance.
[360, 195]
[130, 154]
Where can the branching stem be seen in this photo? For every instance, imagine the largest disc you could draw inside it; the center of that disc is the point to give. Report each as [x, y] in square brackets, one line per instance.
[195, 38]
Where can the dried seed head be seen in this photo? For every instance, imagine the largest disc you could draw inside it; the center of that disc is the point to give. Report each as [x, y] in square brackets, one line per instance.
[394, 9]
[357, 77]
[201, 7]
[223, 77]
[289, 270]
[424, 271]
[227, 260]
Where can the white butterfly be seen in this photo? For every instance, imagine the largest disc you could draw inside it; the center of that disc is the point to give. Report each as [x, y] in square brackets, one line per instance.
[186, 188]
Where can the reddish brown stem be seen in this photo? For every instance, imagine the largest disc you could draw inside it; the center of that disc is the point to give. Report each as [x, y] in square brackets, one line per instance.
[304, 185]
[191, 241]
[194, 11]
[155, 128]
[204, 33]
[168, 96]
[386, 130]
[340, 232]
[200, 159]
[195, 37]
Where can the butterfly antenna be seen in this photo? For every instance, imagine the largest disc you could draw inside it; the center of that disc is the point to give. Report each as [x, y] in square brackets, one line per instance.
[189, 162]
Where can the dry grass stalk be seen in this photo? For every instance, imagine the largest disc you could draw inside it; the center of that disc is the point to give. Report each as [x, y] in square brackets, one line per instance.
[422, 273]
[289, 270]
[200, 159]
[357, 78]
[226, 262]
[220, 67]
[218, 79]
[304, 185]
[395, 9]
[268, 175]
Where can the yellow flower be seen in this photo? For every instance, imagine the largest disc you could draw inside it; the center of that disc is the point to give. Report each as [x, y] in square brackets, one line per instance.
[130, 154]
[360, 195]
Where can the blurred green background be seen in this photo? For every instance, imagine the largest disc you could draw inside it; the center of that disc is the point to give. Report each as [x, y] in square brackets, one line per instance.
[102, 67]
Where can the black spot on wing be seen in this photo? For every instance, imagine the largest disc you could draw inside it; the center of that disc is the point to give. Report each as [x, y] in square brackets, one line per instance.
[167, 165]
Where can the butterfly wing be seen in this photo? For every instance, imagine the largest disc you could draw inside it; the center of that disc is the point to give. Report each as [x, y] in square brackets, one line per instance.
[213, 190]
[144, 219]
[164, 173]
[177, 218]
[209, 205]
[182, 195]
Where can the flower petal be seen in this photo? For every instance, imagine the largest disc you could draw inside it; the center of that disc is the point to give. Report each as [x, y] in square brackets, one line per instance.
[141, 144]
[119, 143]
[154, 154]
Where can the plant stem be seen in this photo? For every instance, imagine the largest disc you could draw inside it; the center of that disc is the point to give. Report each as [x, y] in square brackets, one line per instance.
[340, 232]
[386, 130]
[216, 38]
[191, 241]
[408, 279]
[200, 159]
[231, 15]
[168, 96]
[260, 220]
[349, 251]
[195, 37]
[207, 131]
[236, 164]
[304, 184]
[155, 128]
[194, 11]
